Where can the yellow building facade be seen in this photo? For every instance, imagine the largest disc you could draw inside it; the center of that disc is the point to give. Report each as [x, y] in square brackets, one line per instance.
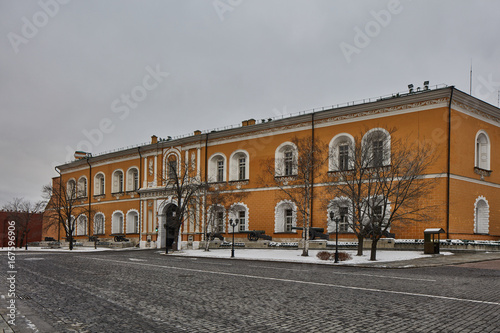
[127, 193]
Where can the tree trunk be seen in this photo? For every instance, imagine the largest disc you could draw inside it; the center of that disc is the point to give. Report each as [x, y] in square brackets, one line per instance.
[305, 251]
[373, 254]
[360, 245]
[70, 238]
[207, 241]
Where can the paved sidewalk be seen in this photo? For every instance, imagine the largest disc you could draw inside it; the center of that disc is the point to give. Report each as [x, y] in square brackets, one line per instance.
[436, 260]
[432, 261]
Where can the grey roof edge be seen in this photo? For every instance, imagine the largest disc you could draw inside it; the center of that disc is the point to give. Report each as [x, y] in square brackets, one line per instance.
[458, 96]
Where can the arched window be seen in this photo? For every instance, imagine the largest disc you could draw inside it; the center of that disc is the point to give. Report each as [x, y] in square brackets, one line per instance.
[285, 216]
[239, 165]
[81, 225]
[481, 216]
[82, 187]
[99, 224]
[239, 211]
[118, 181]
[132, 179]
[285, 159]
[341, 149]
[99, 184]
[172, 166]
[482, 151]
[117, 223]
[71, 189]
[376, 148]
[341, 208]
[132, 222]
[217, 168]
[72, 224]
[217, 218]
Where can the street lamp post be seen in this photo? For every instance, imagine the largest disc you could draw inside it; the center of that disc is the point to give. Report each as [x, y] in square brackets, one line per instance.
[336, 235]
[233, 224]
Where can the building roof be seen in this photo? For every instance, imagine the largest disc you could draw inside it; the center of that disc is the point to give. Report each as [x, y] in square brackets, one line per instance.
[316, 114]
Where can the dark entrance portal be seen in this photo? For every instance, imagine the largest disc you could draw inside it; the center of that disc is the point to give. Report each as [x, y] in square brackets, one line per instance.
[170, 225]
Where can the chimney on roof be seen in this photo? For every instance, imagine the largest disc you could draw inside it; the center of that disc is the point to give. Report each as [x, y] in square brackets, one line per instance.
[197, 132]
[251, 121]
[154, 139]
[244, 123]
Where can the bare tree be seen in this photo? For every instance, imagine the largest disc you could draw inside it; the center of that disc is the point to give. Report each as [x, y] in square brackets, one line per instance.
[63, 207]
[295, 171]
[185, 188]
[219, 198]
[378, 180]
[23, 212]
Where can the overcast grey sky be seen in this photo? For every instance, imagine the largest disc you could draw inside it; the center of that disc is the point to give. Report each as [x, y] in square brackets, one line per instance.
[100, 75]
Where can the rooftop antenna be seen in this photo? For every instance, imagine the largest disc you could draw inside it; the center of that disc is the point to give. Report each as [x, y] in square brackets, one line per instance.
[470, 82]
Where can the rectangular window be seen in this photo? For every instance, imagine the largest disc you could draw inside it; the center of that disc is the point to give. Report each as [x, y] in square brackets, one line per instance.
[136, 224]
[101, 185]
[172, 165]
[242, 222]
[120, 182]
[378, 152]
[99, 225]
[288, 220]
[343, 157]
[136, 180]
[377, 213]
[344, 219]
[242, 168]
[219, 222]
[288, 163]
[220, 170]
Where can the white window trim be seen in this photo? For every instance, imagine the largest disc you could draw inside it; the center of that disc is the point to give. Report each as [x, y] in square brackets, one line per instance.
[113, 222]
[68, 191]
[476, 231]
[279, 216]
[233, 214]
[234, 165]
[477, 163]
[78, 232]
[218, 208]
[334, 206]
[129, 183]
[387, 157]
[129, 222]
[212, 167]
[97, 185]
[103, 223]
[334, 151]
[279, 159]
[78, 187]
[114, 175]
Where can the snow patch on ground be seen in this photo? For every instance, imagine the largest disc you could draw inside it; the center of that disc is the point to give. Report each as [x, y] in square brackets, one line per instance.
[296, 255]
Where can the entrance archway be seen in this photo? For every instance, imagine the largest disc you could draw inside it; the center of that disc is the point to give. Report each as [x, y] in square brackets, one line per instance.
[168, 231]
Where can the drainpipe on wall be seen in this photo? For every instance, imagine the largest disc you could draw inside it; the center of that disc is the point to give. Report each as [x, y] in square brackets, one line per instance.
[59, 205]
[312, 170]
[140, 203]
[206, 189]
[448, 173]
[89, 195]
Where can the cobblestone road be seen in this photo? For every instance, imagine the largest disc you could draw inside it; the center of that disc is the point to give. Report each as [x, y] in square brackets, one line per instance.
[143, 291]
